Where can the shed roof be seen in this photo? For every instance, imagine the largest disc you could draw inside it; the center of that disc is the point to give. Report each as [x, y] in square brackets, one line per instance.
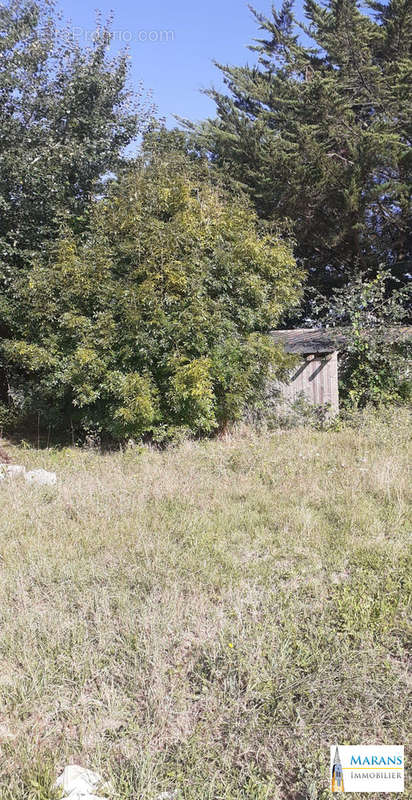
[308, 340]
[318, 340]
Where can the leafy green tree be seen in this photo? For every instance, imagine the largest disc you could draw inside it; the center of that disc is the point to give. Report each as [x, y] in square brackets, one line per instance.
[319, 134]
[158, 317]
[375, 364]
[66, 116]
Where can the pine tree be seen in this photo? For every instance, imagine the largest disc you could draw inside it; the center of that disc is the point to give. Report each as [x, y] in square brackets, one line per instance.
[319, 133]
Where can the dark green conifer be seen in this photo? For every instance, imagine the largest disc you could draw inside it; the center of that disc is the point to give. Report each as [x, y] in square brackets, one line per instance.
[319, 133]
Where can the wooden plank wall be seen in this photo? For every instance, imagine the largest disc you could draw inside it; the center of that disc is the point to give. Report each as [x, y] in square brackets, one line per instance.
[317, 379]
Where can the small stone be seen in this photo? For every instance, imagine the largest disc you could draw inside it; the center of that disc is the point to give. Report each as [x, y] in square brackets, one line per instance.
[14, 469]
[78, 783]
[41, 477]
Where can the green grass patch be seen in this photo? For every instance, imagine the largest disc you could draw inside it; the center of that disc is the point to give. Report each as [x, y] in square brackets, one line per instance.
[207, 619]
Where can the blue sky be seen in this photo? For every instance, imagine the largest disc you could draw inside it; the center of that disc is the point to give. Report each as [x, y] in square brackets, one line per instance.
[172, 44]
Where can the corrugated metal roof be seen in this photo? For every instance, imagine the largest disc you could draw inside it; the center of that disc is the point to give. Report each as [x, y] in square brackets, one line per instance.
[318, 340]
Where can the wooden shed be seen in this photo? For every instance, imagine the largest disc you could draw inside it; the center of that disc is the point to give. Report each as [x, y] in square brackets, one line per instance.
[316, 376]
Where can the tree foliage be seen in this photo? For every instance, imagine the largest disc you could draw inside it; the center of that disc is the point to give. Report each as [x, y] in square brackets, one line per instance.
[65, 117]
[375, 364]
[157, 317]
[319, 133]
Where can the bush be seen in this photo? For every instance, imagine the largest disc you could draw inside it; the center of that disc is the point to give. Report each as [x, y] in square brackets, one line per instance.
[375, 365]
[158, 318]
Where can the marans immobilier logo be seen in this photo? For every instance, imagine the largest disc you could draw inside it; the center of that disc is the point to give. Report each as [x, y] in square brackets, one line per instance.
[337, 773]
[367, 768]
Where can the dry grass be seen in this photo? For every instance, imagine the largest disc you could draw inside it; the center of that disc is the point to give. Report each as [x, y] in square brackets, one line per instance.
[207, 619]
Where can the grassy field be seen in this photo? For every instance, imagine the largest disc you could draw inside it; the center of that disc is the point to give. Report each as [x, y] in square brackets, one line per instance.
[206, 619]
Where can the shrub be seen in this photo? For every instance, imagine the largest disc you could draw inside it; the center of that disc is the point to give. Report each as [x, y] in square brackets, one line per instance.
[158, 318]
[375, 364]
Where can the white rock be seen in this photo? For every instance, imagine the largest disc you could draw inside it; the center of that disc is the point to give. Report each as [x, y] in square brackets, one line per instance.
[82, 796]
[42, 477]
[167, 796]
[79, 783]
[14, 469]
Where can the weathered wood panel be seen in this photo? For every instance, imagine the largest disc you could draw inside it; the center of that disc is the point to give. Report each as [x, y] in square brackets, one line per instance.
[317, 379]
